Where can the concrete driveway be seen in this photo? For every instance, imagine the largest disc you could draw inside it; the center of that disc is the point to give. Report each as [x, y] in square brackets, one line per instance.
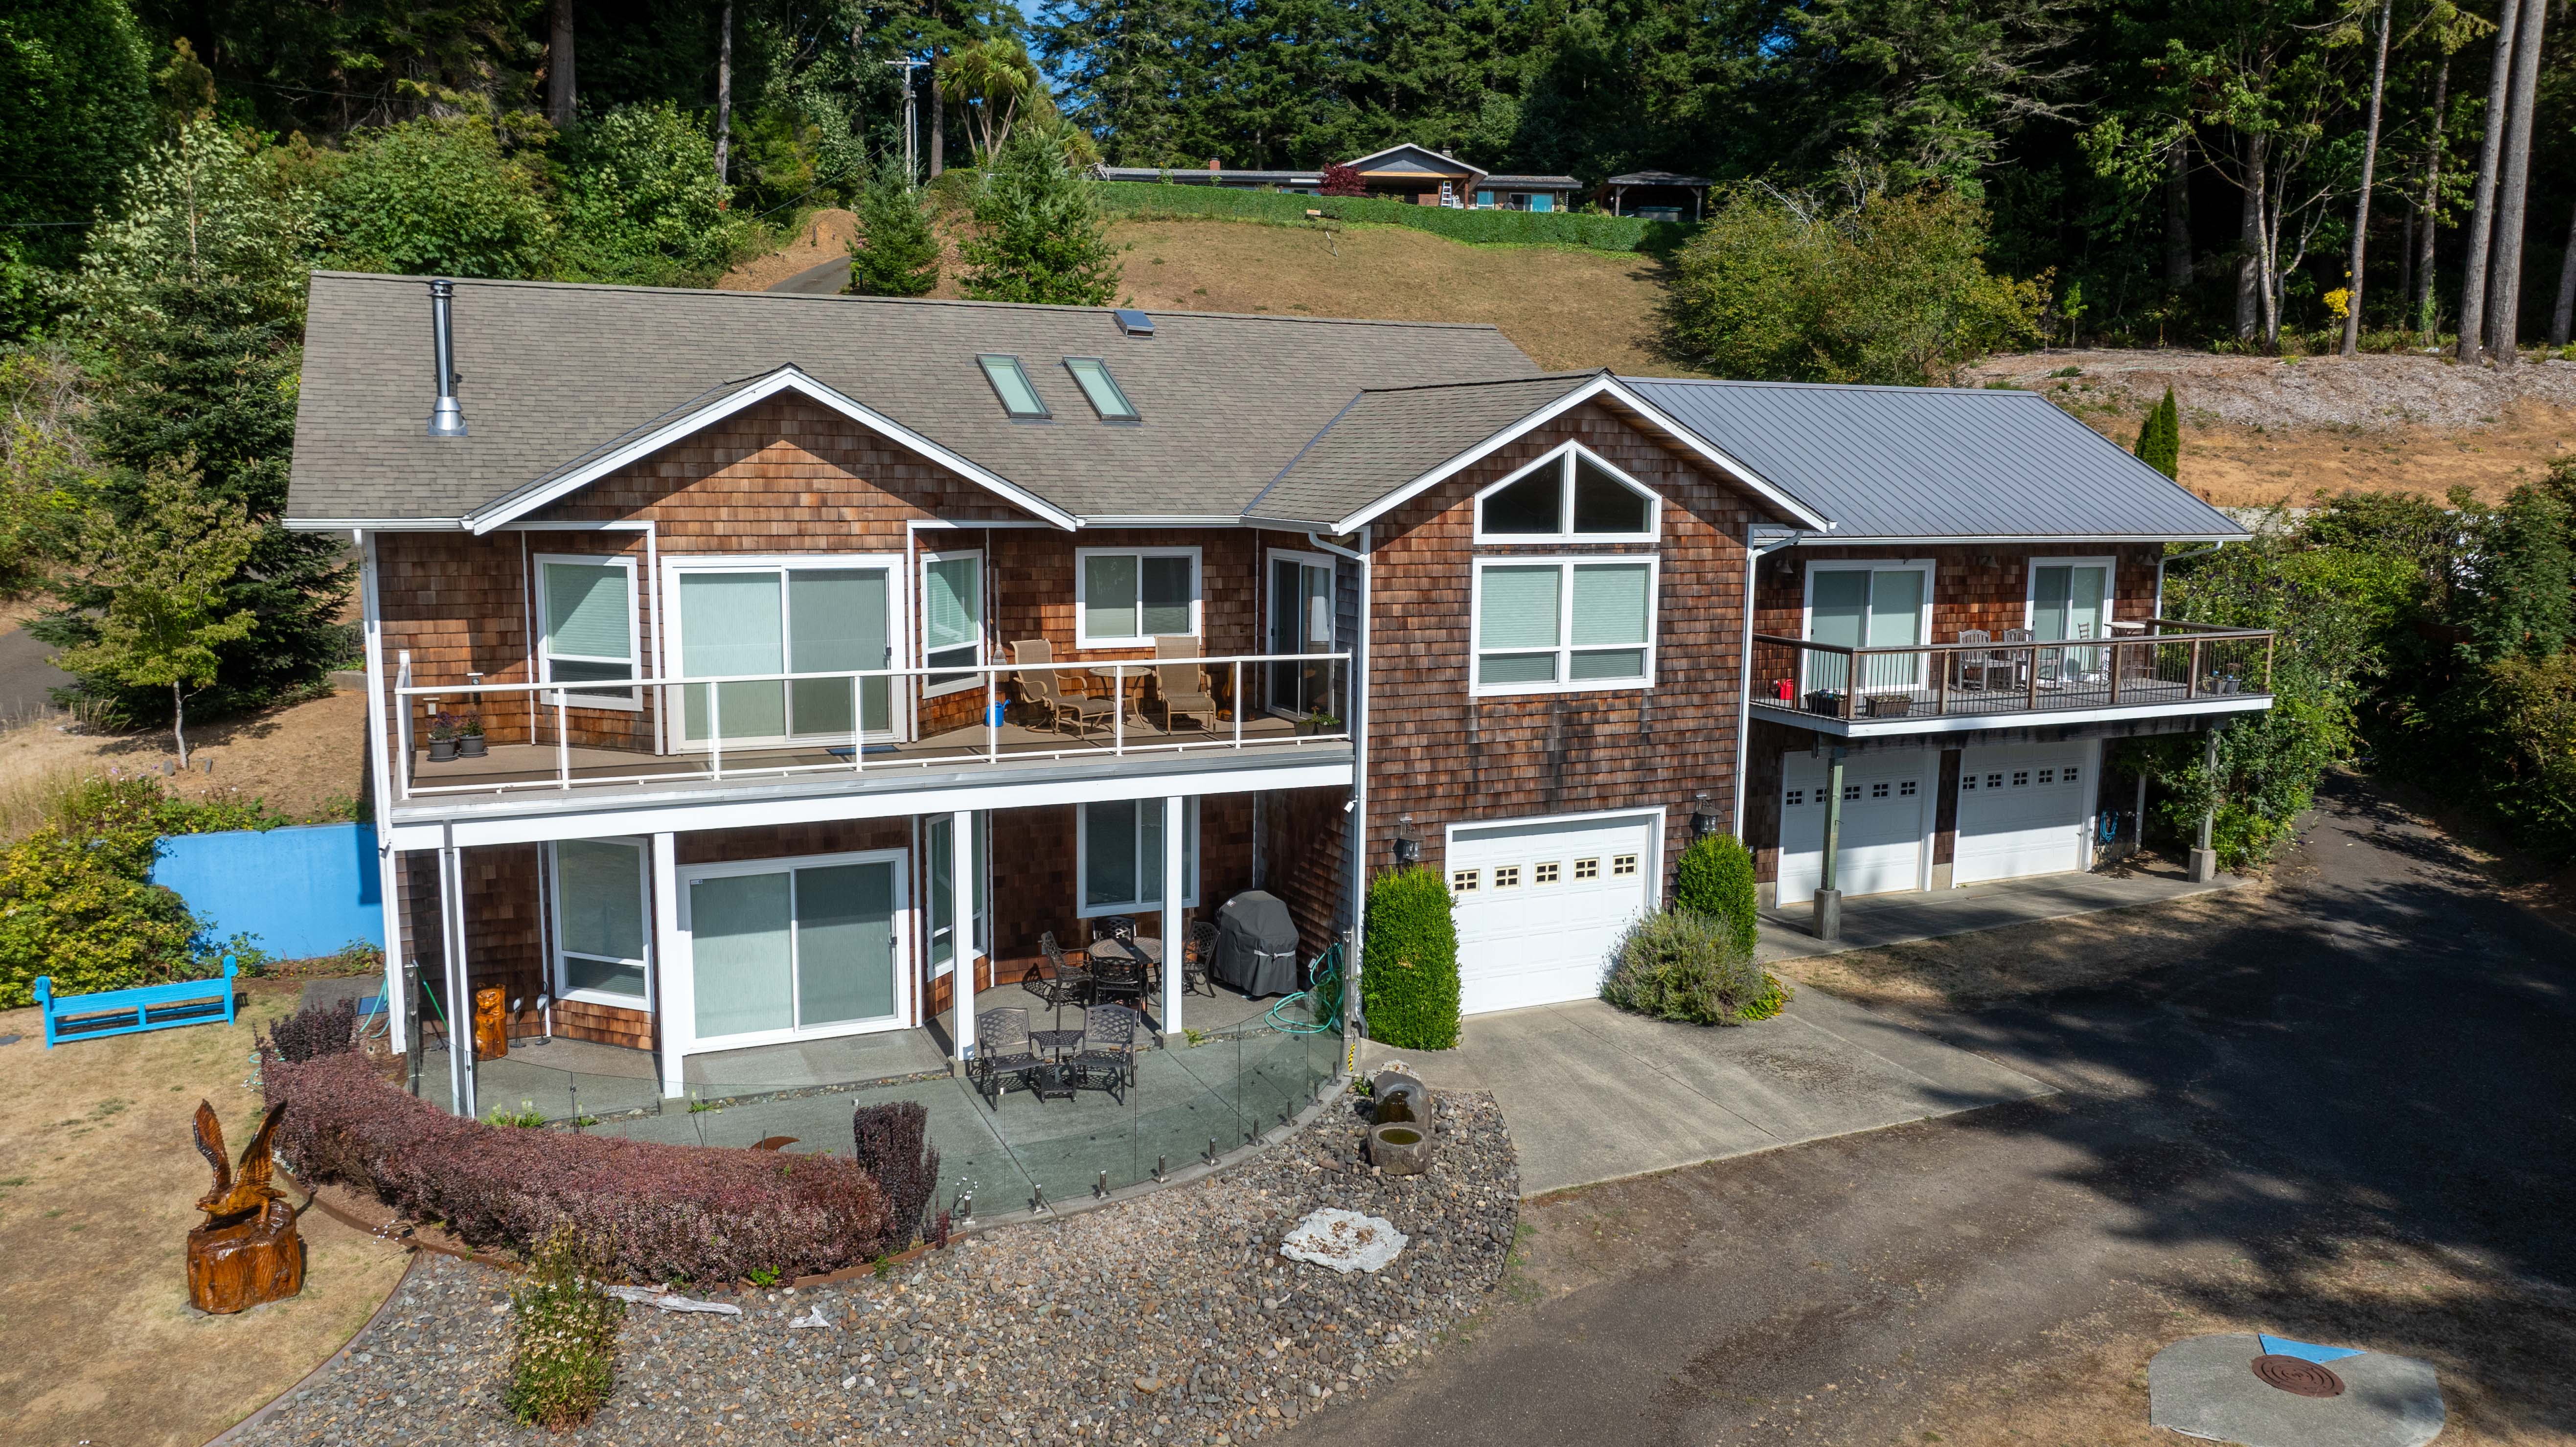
[1595, 1095]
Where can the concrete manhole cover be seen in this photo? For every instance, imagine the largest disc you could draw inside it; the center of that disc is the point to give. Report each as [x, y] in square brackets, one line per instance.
[2298, 1374]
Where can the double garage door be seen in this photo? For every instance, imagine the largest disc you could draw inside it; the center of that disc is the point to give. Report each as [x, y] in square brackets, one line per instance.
[1542, 903]
[2023, 810]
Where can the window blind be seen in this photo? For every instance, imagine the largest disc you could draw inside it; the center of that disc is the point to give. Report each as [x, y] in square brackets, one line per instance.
[587, 610]
[1610, 604]
[1166, 600]
[952, 612]
[1519, 607]
[1109, 595]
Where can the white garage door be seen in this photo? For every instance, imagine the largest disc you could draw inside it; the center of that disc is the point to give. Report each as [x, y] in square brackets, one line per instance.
[2023, 810]
[1542, 904]
[1887, 816]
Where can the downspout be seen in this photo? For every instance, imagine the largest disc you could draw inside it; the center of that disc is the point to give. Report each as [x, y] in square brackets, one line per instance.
[1353, 1022]
[380, 771]
[1753, 556]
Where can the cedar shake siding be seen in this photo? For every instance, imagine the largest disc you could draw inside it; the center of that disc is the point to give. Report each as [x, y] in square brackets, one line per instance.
[1978, 585]
[1447, 757]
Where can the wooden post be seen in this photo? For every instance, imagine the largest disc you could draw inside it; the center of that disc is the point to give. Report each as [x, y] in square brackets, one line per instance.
[2195, 669]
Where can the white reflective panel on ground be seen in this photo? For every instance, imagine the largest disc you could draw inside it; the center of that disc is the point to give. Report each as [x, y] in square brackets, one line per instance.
[2023, 810]
[1541, 906]
[1887, 822]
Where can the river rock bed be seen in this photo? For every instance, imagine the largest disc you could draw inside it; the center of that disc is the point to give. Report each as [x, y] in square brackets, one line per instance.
[1170, 1318]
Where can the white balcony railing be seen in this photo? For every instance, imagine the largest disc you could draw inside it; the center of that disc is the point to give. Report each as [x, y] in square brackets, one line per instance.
[882, 731]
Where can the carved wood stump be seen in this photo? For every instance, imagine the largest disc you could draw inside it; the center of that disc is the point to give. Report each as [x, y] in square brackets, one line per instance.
[236, 1267]
[491, 1025]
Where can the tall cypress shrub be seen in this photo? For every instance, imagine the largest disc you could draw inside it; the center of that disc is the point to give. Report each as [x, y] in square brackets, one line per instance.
[2160, 437]
[1409, 962]
[1715, 878]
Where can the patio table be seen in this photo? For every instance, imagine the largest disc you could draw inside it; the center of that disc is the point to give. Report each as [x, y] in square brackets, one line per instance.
[1051, 1081]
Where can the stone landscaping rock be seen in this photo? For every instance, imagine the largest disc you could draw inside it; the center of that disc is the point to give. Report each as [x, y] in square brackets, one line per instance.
[1028, 1336]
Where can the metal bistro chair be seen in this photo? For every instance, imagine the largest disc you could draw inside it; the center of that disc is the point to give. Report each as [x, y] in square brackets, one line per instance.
[1003, 1056]
[1196, 954]
[1107, 1060]
[1118, 980]
[1057, 982]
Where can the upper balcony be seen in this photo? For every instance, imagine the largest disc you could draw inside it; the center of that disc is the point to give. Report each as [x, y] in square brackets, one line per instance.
[607, 742]
[2151, 669]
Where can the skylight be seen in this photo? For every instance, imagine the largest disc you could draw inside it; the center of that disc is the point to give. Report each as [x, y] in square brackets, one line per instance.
[1011, 384]
[1102, 388]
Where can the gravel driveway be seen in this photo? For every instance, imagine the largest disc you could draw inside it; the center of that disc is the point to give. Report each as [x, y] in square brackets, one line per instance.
[1166, 1319]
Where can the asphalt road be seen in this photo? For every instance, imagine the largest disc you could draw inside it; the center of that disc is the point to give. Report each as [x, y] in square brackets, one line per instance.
[2385, 1055]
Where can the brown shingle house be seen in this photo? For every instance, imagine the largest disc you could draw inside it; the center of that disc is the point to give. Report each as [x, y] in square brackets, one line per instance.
[831, 654]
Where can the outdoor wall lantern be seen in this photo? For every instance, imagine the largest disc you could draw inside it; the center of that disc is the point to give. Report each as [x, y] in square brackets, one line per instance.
[1703, 818]
[1408, 844]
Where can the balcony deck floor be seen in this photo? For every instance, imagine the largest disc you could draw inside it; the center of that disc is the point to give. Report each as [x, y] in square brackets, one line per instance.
[1961, 701]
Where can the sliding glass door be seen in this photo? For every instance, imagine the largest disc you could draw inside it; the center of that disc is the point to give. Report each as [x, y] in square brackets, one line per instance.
[778, 953]
[2069, 601]
[1866, 608]
[760, 618]
[1301, 621]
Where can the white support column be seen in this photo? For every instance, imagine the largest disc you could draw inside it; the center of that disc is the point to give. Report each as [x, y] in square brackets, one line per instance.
[459, 979]
[961, 930]
[389, 892]
[1174, 932]
[675, 1012]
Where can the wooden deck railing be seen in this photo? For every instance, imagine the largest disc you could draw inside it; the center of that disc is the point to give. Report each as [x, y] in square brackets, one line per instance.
[2162, 661]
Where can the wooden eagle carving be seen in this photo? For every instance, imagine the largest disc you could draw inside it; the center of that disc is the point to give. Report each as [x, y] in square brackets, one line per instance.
[247, 1191]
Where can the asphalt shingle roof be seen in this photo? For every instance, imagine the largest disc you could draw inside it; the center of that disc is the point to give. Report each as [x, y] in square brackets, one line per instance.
[1937, 462]
[555, 372]
[1386, 438]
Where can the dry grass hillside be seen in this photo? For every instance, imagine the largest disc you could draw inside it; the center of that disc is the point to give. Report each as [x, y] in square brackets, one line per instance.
[1569, 309]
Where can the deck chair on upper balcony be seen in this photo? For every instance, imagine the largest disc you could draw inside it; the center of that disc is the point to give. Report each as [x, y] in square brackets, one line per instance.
[1182, 683]
[1045, 687]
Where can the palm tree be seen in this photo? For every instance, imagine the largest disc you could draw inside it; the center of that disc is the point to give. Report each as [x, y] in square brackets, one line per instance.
[989, 79]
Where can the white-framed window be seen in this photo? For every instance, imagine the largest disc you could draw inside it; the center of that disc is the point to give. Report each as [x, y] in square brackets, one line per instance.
[2069, 599]
[806, 947]
[937, 844]
[1128, 597]
[1564, 625]
[1119, 854]
[1865, 604]
[794, 613]
[586, 626]
[603, 932]
[1570, 495]
[952, 619]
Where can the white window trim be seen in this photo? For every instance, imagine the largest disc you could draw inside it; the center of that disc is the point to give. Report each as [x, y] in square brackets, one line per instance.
[1807, 608]
[902, 927]
[1081, 595]
[1561, 458]
[643, 848]
[1082, 861]
[629, 699]
[898, 625]
[1565, 646]
[2030, 586]
[1270, 604]
[982, 630]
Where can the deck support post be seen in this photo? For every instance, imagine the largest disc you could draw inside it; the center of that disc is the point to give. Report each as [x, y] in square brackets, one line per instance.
[1829, 899]
[1175, 933]
[675, 1001]
[458, 975]
[961, 933]
[2204, 859]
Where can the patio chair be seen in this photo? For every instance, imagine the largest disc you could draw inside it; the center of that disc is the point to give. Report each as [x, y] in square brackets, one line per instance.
[2016, 660]
[1107, 1060]
[1057, 982]
[1195, 954]
[1115, 981]
[1045, 687]
[1003, 1056]
[1980, 665]
[1182, 682]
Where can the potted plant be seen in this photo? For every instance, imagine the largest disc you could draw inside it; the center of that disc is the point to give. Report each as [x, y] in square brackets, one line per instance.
[1318, 723]
[469, 737]
[443, 731]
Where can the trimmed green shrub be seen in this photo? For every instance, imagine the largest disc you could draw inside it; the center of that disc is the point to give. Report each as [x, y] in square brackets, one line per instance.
[2160, 437]
[1683, 965]
[567, 1333]
[1156, 201]
[894, 252]
[1409, 962]
[1715, 878]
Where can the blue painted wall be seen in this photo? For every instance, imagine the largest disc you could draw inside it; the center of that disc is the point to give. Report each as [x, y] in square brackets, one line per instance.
[304, 891]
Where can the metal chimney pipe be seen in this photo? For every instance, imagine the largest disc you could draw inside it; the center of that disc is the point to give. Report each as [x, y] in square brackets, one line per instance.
[446, 419]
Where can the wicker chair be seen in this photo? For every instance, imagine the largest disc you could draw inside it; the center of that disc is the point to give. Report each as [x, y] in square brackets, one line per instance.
[1057, 982]
[1002, 1057]
[1107, 1060]
[1045, 687]
[1182, 683]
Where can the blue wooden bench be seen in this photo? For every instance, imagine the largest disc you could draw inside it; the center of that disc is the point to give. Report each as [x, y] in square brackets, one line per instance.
[123, 1012]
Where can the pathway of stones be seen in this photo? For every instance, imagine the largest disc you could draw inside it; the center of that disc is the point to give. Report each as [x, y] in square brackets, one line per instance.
[1167, 1319]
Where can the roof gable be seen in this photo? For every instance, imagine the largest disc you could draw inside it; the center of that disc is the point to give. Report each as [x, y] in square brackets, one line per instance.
[1407, 157]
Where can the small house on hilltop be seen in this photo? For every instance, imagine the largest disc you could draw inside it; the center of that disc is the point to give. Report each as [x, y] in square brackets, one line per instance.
[1404, 172]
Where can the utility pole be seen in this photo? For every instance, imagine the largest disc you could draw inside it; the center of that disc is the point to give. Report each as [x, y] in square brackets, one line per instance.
[724, 95]
[911, 145]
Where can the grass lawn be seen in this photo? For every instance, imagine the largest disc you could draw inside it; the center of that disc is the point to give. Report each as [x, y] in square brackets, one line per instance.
[98, 1178]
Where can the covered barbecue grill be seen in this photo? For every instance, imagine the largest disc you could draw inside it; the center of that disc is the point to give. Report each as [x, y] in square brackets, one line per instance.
[1256, 946]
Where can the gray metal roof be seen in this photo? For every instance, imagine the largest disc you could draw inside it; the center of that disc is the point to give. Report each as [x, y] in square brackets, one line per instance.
[1185, 176]
[1565, 183]
[1658, 178]
[1937, 462]
[555, 373]
[1387, 438]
